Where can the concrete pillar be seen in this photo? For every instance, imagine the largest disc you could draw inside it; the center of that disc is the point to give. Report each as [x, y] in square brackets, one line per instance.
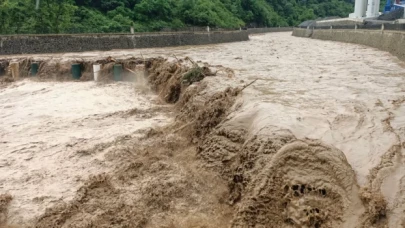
[377, 8]
[34, 69]
[382, 27]
[370, 7]
[132, 30]
[359, 9]
[208, 28]
[373, 8]
[76, 69]
[96, 70]
[117, 70]
[15, 70]
[365, 7]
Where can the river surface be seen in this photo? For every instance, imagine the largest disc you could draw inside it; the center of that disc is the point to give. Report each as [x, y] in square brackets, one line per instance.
[348, 96]
[345, 95]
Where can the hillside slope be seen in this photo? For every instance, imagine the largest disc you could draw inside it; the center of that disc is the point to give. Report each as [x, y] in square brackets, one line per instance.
[85, 16]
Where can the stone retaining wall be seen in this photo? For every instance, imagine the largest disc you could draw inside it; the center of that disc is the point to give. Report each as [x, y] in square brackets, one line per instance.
[391, 41]
[35, 44]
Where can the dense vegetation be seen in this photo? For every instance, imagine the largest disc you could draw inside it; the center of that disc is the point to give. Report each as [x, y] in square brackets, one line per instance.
[73, 16]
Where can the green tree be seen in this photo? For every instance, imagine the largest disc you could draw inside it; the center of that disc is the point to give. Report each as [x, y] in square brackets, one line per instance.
[53, 16]
[72, 16]
[14, 16]
[209, 12]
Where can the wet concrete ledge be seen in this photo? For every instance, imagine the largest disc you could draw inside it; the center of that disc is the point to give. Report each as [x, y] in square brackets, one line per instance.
[390, 41]
[268, 30]
[37, 44]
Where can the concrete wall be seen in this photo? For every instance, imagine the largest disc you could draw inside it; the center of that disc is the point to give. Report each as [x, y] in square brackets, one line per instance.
[391, 41]
[266, 30]
[340, 21]
[35, 44]
[302, 32]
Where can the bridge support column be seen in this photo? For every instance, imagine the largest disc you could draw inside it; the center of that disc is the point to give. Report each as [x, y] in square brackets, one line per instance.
[373, 8]
[359, 9]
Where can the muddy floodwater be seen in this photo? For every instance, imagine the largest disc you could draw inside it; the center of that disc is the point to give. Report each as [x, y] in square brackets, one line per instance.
[324, 124]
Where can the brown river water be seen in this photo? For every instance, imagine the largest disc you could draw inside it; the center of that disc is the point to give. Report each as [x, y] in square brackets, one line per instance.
[348, 97]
